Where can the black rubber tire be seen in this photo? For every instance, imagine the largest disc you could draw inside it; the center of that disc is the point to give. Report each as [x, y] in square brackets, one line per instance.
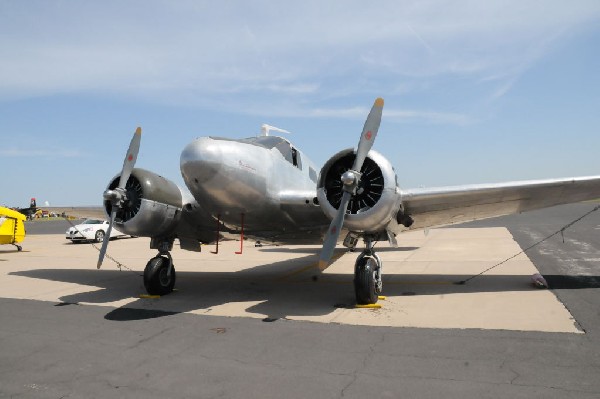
[155, 276]
[364, 282]
[99, 236]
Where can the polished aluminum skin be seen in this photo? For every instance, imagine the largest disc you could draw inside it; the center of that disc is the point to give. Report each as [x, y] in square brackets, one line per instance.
[450, 205]
[265, 178]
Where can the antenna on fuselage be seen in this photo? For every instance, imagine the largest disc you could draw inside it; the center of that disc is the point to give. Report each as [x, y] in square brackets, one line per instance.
[265, 129]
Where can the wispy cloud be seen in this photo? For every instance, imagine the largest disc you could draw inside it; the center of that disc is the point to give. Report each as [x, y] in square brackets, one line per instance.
[360, 112]
[432, 117]
[253, 53]
[15, 152]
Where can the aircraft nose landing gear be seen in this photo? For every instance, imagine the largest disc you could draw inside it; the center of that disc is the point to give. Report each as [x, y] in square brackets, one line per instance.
[368, 283]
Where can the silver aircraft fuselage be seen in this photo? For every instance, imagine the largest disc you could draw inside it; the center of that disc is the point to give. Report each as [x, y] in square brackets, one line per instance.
[265, 179]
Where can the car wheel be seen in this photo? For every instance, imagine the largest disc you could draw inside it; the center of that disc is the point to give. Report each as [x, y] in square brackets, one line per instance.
[99, 237]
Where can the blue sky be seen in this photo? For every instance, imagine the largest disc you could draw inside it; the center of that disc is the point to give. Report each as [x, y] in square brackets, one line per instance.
[475, 91]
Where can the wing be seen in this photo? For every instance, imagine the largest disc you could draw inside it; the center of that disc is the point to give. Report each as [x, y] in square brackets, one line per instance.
[451, 205]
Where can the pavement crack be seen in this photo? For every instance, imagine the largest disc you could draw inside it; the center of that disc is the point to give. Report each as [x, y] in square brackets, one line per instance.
[517, 375]
[149, 338]
[364, 364]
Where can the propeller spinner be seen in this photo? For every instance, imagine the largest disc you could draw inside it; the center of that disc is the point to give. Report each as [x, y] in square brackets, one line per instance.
[118, 196]
[350, 181]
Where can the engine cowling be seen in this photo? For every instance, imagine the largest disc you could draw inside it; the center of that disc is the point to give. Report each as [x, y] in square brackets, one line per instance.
[377, 200]
[153, 206]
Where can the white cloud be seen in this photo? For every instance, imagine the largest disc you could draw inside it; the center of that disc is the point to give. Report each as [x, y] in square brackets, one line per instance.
[188, 50]
[433, 117]
[16, 152]
[360, 113]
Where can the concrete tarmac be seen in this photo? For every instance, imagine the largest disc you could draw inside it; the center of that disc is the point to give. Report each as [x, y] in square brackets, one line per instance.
[259, 325]
[49, 226]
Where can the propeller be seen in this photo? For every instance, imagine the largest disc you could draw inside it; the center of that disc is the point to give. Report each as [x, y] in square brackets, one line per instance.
[118, 196]
[350, 180]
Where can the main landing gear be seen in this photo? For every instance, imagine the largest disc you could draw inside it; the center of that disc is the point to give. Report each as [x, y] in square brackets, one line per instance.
[159, 274]
[368, 283]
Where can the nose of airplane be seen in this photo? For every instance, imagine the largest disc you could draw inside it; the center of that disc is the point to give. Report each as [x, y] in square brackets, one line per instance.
[201, 161]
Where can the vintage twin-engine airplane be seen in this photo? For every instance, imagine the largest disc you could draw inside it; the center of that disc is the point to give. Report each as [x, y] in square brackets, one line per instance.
[266, 188]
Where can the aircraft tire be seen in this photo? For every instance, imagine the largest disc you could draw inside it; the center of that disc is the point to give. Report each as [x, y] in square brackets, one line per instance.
[156, 280]
[99, 236]
[365, 284]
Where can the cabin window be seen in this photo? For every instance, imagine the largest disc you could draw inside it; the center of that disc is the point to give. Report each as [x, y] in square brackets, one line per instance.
[312, 174]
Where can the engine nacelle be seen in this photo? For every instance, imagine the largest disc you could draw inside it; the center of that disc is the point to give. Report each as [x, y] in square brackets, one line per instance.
[377, 200]
[153, 206]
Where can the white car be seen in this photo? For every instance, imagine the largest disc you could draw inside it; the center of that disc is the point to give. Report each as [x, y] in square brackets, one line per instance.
[91, 230]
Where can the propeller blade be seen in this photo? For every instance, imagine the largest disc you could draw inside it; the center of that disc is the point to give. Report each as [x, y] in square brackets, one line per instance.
[334, 232]
[106, 238]
[118, 195]
[368, 134]
[130, 157]
[350, 181]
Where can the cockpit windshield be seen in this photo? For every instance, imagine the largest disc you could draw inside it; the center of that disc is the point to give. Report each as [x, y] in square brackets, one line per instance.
[269, 142]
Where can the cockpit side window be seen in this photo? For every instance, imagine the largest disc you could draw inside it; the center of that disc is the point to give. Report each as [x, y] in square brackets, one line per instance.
[312, 174]
[296, 161]
[286, 150]
[290, 154]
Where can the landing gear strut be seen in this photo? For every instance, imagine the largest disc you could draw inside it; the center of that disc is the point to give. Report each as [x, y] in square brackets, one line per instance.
[367, 275]
[159, 274]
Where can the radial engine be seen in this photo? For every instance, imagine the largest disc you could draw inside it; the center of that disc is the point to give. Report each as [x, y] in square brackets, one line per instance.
[152, 206]
[377, 200]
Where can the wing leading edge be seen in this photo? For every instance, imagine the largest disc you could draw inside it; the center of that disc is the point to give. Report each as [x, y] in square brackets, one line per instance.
[458, 204]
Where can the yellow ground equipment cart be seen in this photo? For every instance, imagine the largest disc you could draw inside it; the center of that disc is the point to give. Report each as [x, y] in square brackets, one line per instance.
[12, 228]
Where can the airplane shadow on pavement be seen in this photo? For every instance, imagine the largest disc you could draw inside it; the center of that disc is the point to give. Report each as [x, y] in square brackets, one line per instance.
[264, 290]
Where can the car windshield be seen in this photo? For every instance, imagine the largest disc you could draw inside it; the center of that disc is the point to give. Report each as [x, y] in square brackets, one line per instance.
[92, 221]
